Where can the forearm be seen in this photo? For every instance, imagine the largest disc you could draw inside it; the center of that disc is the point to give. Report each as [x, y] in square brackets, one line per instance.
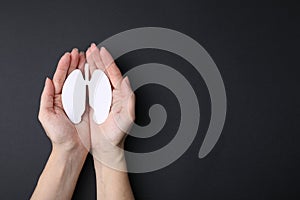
[60, 174]
[111, 183]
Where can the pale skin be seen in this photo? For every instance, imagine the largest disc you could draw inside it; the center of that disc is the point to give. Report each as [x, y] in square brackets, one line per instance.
[107, 139]
[71, 143]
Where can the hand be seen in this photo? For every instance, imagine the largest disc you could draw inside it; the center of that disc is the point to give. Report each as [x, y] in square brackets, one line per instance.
[107, 139]
[63, 134]
[65, 162]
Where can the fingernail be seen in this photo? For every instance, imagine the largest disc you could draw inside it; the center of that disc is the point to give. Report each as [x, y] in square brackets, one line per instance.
[106, 57]
[75, 49]
[94, 48]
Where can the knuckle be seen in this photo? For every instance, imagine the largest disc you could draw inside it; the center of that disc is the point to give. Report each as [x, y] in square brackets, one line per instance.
[59, 80]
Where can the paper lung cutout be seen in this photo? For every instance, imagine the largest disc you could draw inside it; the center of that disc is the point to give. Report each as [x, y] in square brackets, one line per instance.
[74, 95]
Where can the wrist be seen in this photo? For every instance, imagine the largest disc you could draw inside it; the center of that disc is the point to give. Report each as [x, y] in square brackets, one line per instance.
[76, 153]
[113, 159]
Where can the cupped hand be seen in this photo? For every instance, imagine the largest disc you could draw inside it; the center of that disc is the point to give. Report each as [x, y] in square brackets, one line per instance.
[107, 139]
[60, 130]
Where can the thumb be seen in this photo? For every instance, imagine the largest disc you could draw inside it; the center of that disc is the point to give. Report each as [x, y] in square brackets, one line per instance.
[129, 101]
[47, 95]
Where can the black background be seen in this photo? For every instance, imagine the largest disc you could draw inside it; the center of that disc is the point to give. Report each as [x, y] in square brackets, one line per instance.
[255, 45]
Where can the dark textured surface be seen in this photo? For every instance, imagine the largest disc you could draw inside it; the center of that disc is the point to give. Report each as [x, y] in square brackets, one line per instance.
[254, 44]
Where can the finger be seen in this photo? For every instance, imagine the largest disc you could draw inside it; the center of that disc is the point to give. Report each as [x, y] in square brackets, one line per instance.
[95, 53]
[90, 60]
[81, 62]
[61, 72]
[47, 98]
[111, 68]
[74, 60]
